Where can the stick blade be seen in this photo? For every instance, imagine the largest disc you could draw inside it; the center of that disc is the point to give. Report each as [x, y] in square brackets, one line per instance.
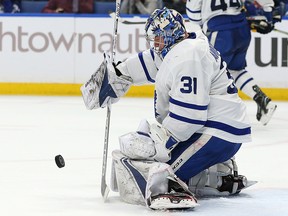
[104, 192]
[104, 189]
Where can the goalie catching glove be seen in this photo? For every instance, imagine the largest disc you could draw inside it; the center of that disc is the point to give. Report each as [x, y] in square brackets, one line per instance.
[164, 142]
[107, 83]
[260, 24]
[150, 142]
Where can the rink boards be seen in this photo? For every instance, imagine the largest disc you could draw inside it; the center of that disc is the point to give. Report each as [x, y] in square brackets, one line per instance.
[53, 55]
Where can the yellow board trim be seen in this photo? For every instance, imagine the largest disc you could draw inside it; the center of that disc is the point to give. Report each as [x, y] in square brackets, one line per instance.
[60, 89]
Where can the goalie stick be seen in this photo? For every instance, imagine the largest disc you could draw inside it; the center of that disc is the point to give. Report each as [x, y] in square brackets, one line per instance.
[104, 187]
[113, 15]
[127, 22]
[280, 31]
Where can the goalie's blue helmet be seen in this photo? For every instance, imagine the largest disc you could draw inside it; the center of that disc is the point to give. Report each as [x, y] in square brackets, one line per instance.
[165, 23]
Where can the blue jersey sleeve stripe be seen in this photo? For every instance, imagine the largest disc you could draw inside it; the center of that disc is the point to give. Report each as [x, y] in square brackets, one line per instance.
[140, 56]
[213, 124]
[247, 81]
[187, 120]
[191, 11]
[152, 54]
[187, 105]
[195, 20]
[241, 74]
[228, 128]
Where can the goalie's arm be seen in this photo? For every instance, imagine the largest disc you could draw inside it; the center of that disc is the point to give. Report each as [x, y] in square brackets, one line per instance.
[142, 68]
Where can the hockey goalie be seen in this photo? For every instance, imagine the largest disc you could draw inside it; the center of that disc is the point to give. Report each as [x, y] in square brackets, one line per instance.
[200, 125]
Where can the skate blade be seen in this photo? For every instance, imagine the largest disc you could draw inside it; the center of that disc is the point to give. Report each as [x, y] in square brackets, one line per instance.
[249, 184]
[166, 204]
[265, 118]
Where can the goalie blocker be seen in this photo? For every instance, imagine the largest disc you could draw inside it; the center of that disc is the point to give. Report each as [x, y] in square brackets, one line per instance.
[105, 84]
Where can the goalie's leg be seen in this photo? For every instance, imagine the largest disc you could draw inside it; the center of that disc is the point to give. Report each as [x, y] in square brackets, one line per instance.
[205, 161]
[219, 180]
[150, 183]
[200, 152]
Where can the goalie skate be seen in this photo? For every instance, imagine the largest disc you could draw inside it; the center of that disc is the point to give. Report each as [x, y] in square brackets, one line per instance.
[228, 184]
[173, 200]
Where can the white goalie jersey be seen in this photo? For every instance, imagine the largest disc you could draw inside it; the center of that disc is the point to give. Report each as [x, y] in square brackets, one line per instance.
[194, 91]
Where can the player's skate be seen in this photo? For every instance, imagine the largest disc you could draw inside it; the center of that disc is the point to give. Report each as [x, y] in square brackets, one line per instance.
[219, 180]
[265, 108]
[228, 184]
[172, 200]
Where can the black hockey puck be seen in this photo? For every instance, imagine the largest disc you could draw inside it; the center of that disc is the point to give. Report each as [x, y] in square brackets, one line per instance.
[59, 161]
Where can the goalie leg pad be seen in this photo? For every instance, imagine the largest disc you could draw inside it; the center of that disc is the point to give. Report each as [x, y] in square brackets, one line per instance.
[138, 180]
[131, 177]
[147, 183]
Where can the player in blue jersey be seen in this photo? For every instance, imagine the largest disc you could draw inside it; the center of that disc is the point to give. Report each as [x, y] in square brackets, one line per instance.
[201, 121]
[224, 23]
[253, 8]
[10, 6]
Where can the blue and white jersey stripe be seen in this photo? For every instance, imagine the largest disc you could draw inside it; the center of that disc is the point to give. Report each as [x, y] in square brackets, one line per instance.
[187, 120]
[201, 11]
[193, 94]
[192, 91]
[142, 68]
[222, 128]
[194, 15]
[187, 105]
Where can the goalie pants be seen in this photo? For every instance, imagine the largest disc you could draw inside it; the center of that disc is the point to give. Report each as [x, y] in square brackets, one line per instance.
[188, 159]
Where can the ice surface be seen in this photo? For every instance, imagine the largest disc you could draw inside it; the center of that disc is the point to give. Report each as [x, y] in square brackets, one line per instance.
[33, 130]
